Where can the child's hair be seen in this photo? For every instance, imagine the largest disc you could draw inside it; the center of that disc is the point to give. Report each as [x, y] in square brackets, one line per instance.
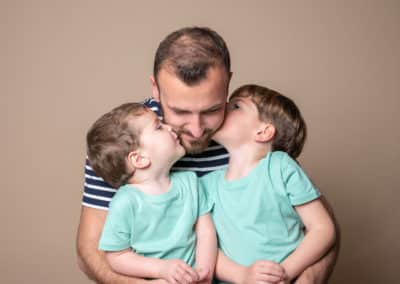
[282, 112]
[109, 141]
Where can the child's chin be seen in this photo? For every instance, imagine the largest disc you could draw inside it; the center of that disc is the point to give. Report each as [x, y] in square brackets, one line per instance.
[181, 151]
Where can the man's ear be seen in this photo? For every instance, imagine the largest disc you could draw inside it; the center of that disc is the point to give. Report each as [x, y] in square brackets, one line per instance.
[154, 88]
[138, 161]
[265, 132]
[228, 82]
[230, 77]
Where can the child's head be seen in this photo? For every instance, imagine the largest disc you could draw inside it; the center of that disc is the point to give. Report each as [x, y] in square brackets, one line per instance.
[271, 108]
[128, 138]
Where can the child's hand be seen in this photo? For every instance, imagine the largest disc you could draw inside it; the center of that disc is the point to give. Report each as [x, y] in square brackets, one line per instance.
[176, 271]
[264, 271]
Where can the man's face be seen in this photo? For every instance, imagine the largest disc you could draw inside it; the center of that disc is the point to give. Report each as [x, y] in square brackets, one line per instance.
[195, 112]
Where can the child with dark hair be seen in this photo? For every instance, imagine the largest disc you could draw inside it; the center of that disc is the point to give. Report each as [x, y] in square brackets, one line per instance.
[158, 225]
[264, 200]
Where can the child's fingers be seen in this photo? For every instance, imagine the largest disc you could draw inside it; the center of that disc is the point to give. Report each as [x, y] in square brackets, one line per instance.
[267, 278]
[172, 280]
[181, 278]
[188, 273]
[272, 268]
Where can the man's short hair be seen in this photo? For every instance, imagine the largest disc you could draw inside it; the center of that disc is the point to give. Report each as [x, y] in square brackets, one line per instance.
[190, 52]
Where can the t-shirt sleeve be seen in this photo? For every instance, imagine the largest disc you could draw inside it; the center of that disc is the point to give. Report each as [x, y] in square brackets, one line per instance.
[97, 193]
[299, 187]
[117, 229]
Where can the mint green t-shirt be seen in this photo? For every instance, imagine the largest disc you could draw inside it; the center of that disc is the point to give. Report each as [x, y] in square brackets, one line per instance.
[254, 216]
[159, 226]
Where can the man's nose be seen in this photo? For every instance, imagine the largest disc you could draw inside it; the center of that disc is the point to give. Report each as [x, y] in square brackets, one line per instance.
[195, 126]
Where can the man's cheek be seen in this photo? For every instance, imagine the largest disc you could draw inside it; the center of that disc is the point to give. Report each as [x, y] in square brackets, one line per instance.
[217, 123]
[174, 121]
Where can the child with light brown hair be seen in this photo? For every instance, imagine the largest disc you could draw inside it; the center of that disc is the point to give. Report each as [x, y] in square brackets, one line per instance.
[263, 201]
[158, 225]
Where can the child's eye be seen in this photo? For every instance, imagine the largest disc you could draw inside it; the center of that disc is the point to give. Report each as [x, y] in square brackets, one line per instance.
[233, 106]
[159, 126]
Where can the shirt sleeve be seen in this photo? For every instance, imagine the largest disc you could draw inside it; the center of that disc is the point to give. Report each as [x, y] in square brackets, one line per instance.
[97, 193]
[117, 229]
[299, 187]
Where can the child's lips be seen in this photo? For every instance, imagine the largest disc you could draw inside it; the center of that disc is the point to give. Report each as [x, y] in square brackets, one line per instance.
[178, 139]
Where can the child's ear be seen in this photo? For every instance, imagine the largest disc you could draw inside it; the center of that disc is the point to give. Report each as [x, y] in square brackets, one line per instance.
[137, 160]
[265, 133]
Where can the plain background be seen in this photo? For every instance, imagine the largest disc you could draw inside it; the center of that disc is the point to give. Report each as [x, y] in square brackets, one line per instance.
[64, 63]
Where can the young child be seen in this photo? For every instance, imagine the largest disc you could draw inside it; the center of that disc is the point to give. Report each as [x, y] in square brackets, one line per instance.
[158, 224]
[263, 200]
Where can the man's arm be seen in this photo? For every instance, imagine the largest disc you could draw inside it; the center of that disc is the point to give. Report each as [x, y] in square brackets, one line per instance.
[91, 260]
[320, 272]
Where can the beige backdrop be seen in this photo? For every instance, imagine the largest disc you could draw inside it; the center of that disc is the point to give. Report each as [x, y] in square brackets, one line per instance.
[63, 63]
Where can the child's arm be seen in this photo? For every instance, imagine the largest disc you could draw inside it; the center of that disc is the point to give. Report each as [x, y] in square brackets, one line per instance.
[206, 248]
[319, 238]
[262, 271]
[172, 270]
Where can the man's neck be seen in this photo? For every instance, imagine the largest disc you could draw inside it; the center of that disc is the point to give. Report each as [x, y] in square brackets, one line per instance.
[242, 160]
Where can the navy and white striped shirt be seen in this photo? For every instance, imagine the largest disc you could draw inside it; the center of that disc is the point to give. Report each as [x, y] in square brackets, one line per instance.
[97, 193]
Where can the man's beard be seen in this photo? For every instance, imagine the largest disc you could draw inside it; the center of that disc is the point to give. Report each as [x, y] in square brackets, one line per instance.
[196, 146]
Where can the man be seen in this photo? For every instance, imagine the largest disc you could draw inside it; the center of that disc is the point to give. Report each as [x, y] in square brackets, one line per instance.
[190, 85]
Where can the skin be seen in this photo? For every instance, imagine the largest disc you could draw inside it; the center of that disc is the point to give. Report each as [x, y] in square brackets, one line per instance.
[190, 117]
[159, 149]
[246, 145]
[159, 146]
[199, 115]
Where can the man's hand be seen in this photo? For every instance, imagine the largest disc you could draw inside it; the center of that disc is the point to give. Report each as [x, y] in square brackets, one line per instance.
[264, 271]
[176, 271]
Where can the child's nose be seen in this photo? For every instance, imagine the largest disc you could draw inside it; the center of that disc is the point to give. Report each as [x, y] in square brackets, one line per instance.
[170, 129]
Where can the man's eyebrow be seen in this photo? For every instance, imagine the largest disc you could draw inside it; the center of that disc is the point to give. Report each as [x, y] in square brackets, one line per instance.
[177, 109]
[212, 108]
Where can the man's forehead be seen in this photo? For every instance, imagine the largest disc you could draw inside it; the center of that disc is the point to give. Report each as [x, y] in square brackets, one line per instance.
[194, 106]
[207, 94]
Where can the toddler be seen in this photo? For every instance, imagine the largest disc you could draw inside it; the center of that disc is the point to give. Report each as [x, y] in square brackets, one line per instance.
[263, 200]
[158, 225]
